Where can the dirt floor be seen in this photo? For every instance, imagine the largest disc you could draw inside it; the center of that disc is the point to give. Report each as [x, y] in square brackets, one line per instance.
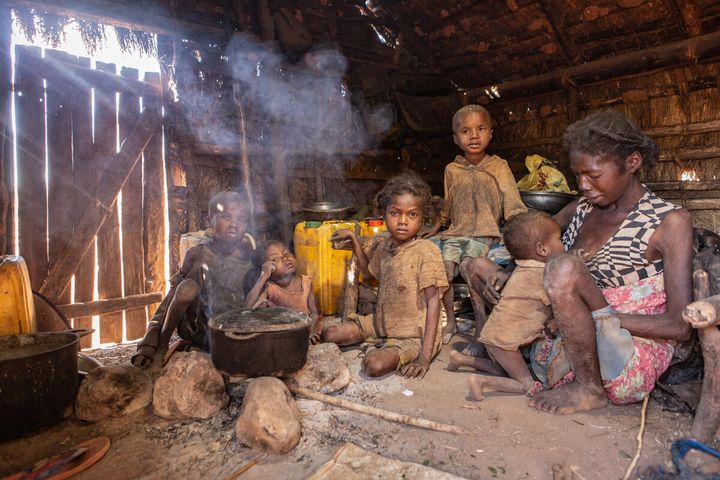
[507, 440]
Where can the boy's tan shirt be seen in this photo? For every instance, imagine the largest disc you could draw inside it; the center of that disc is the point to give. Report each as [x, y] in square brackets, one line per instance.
[403, 273]
[477, 197]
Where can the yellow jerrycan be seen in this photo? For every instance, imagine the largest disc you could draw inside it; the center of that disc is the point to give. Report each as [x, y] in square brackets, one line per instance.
[17, 308]
[325, 265]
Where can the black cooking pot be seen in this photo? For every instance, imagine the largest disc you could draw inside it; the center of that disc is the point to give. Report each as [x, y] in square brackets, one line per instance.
[38, 380]
[256, 343]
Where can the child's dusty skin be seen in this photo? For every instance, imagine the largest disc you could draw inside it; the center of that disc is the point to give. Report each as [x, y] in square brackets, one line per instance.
[228, 222]
[280, 268]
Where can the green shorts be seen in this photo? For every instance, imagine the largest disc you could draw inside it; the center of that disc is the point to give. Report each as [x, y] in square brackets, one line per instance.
[456, 249]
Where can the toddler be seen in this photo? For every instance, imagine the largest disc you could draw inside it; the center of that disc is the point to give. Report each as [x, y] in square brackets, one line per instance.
[278, 285]
[411, 280]
[523, 312]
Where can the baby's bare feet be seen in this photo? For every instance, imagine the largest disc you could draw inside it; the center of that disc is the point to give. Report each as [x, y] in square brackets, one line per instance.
[476, 382]
[455, 360]
[570, 398]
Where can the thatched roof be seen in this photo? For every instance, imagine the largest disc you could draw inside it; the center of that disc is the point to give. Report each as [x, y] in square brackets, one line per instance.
[468, 42]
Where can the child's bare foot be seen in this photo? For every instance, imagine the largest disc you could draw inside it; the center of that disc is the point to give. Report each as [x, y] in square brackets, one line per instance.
[476, 382]
[455, 360]
[571, 398]
[448, 333]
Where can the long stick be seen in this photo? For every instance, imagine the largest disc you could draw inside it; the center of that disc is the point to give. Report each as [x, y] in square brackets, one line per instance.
[639, 439]
[247, 466]
[377, 412]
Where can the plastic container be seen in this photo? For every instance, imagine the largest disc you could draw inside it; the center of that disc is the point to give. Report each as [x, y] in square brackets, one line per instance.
[17, 310]
[371, 227]
[326, 266]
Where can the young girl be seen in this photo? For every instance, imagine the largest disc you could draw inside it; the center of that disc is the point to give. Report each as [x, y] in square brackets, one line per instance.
[279, 286]
[411, 280]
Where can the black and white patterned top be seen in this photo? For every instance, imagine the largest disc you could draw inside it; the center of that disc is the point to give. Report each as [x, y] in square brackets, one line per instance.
[621, 260]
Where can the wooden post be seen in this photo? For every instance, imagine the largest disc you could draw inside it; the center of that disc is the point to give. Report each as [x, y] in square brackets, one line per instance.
[32, 203]
[99, 207]
[132, 219]
[109, 265]
[84, 178]
[154, 206]
[60, 160]
[5, 125]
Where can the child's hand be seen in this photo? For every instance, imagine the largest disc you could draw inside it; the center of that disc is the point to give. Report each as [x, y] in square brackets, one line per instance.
[416, 369]
[342, 239]
[315, 339]
[494, 285]
[268, 268]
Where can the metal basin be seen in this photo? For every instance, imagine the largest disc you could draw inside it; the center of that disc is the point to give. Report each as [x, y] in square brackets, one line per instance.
[550, 202]
[322, 211]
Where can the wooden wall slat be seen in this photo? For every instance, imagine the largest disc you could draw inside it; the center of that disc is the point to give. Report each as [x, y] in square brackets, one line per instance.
[60, 162]
[153, 208]
[30, 111]
[84, 178]
[132, 218]
[108, 240]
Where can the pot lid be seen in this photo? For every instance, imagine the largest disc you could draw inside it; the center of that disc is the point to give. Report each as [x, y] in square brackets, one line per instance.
[246, 320]
[325, 207]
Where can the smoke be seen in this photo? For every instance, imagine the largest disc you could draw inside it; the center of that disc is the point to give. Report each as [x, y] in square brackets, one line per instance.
[306, 104]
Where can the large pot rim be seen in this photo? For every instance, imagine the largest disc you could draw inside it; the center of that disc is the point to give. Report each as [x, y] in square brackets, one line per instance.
[305, 322]
[60, 341]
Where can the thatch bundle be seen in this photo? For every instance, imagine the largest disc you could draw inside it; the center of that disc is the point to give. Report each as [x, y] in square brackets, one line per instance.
[51, 28]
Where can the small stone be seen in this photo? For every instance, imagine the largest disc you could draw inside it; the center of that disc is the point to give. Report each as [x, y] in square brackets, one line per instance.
[325, 370]
[112, 391]
[269, 419]
[189, 387]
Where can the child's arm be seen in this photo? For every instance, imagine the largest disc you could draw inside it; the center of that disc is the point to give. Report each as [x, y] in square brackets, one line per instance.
[315, 328]
[254, 293]
[363, 261]
[420, 367]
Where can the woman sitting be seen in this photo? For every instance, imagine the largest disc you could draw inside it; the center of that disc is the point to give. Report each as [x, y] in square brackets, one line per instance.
[618, 294]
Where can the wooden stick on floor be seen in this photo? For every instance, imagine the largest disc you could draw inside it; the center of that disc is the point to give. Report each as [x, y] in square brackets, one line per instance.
[376, 412]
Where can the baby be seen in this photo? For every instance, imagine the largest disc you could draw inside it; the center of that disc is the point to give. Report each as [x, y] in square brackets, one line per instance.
[523, 312]
[278, 285]
[411, 281]
[209, 282]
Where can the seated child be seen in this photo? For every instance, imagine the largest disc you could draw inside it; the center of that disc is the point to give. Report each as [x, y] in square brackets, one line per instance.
[209, 282]
[278, 285]
[523, 312]
[411, 281]
[480, 192]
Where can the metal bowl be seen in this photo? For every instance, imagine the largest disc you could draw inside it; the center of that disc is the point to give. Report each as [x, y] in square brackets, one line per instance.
[325, 211]
[550, 202]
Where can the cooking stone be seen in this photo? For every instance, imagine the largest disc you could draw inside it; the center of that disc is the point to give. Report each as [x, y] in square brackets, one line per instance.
[189, 387]
[112, 391]
[270, 419]
[325, 370]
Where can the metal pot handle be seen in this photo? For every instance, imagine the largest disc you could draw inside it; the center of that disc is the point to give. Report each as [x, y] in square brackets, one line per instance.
[81, 332]
[238, 336]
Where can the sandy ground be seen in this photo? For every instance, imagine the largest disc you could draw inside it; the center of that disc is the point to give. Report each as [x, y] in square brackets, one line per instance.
[507, 440]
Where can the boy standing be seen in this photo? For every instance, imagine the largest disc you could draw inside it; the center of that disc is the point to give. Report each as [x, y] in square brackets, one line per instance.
[210, 282]
[480, 192]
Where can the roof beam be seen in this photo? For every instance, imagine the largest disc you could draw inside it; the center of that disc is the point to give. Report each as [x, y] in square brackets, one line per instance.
[690, 50]
[558, 26]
